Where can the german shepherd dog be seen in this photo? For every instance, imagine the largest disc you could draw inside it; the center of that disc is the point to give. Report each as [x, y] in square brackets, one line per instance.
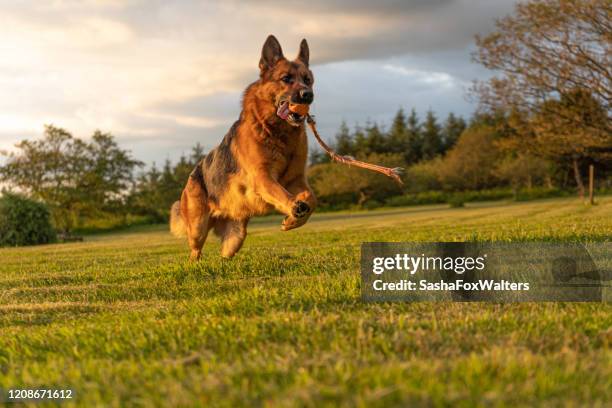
[260, 163]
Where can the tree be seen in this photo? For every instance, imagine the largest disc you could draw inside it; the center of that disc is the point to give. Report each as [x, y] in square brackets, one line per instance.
[523, 170]
[554, 59]
[414, 139]
[71, 176]
[360, 141]
[344, 142]
[424, 176]
[155, 190]
[576, 135]
[452, 129]
[549, 48]
[147, 195]
[109, 172]
[432, 142]
[171, 187]
[397, 139]
[183, 168]
[197, 153]
[375, 139]
[334, 183]
[471, 162]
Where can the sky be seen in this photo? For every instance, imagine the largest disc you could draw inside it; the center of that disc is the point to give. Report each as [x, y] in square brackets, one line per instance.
[164, 75]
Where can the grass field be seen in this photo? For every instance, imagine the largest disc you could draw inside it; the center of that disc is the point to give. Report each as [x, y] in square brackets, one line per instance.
[125, 320]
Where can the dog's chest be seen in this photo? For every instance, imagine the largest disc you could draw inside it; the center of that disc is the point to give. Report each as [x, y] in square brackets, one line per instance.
[281, 152]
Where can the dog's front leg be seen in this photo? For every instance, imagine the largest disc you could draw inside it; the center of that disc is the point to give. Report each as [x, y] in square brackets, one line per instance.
[275, 194]
[302, 191]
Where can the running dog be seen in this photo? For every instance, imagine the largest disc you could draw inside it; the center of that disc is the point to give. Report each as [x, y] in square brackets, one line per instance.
[260, 163]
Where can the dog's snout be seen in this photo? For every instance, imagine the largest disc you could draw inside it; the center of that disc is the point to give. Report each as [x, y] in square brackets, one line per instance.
[306, 95]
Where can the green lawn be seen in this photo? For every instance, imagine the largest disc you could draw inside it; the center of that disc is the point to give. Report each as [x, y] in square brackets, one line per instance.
[125, 320]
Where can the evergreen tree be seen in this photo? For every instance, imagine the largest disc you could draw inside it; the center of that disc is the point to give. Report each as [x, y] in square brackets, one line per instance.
[360, 144]
[432, 141]
[375, 139]
[453, 127]
[182, 170]
[170, 187]
[397, 138]
[344, 141]
[167, 177]
[197, 153]
[414, 139]
[147, 195]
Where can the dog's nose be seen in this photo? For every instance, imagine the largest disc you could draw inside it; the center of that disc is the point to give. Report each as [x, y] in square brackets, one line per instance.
[306, 95]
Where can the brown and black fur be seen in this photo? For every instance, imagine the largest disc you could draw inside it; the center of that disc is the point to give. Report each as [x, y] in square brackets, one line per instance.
[260, 164]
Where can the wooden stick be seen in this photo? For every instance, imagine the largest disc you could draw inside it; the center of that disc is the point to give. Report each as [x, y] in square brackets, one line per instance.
[351, 161]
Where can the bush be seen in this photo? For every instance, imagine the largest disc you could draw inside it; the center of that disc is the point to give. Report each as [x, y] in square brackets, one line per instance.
[105, 222]
[541, 192]
[24, 222]
[470, 163]
[424, 176]
[371, 205]
[456, 201]
[488, 195]
[426, 197]
[336, 184]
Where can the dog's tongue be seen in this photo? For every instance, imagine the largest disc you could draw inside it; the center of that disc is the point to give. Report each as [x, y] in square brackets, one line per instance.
[283, 110]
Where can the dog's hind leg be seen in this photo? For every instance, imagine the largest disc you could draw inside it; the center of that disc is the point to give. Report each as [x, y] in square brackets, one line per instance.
[232, 233]
[195, 214]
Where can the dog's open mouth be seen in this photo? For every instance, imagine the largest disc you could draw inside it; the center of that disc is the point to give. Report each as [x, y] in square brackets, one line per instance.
[287, 114]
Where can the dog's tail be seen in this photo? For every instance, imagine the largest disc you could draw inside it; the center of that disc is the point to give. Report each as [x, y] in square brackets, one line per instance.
[177, 225]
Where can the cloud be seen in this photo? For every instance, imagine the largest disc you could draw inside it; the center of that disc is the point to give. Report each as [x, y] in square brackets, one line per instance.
[156, 73]
[442, 79]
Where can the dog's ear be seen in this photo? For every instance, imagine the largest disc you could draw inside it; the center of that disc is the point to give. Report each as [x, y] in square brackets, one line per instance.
[304, 54]
[270, 54]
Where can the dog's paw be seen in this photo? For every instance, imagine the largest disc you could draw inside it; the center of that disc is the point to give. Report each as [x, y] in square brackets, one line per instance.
[300, 209]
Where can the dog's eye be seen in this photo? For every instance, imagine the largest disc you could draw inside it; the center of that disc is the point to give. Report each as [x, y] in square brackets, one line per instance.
[287, 79]
[307, 80]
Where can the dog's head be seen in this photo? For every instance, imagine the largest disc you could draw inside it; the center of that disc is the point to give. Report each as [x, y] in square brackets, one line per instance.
[283, 81]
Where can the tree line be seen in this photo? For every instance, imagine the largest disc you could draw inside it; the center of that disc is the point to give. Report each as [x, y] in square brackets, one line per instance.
[407, 137]
[491, 150]
[96, 179]
[83, 180]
